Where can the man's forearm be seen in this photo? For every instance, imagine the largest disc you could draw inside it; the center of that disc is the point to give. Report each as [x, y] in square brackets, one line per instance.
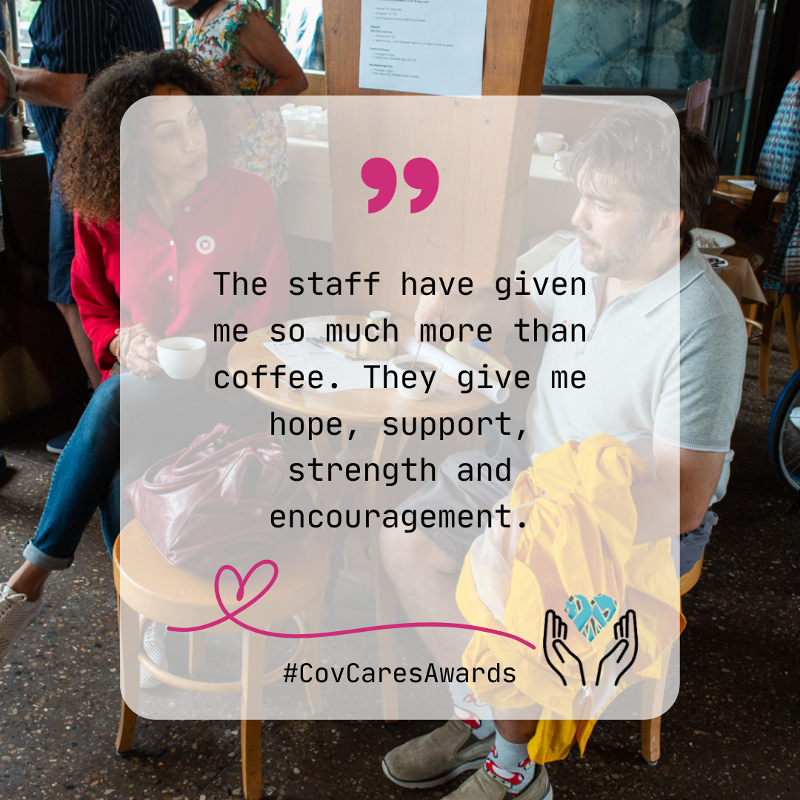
[43, 88]
[484, 306]
[659, 512]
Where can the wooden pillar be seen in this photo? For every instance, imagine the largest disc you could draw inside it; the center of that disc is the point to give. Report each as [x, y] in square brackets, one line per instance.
[517, 35]
[481, 148]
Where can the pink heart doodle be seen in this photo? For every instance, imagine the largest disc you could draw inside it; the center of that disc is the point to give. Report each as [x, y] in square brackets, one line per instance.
[232, 615]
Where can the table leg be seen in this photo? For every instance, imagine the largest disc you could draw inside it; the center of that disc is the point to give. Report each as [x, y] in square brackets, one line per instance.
[129, 648]
[330, 499]
[125, 731]
[387, 449]
[324, 453]
[254, 656]
[765, 346]
[313, 618]
[385, 595]
[251, 758]
[197, 652]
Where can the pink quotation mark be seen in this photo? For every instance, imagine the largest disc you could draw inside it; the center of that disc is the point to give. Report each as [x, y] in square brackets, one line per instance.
[419, 173]
[378, 173]
[232, 615]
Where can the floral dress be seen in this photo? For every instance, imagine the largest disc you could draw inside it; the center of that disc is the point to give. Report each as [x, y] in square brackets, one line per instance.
[779, 168]
[261, 146]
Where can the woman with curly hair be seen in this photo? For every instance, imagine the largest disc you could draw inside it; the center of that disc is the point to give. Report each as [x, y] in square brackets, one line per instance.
[170, 149]
[138, 275]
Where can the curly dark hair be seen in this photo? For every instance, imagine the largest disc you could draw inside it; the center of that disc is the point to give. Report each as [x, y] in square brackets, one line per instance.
[90, 162]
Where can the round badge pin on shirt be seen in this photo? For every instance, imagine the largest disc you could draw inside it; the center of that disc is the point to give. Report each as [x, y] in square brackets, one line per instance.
[205, 245]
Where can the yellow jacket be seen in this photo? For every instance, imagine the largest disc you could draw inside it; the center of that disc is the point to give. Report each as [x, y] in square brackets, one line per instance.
[578, 538]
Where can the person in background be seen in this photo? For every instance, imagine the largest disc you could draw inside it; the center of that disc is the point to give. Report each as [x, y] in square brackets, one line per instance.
[304, 34]
[779, 171]
[8, 98]
[240, 40]
[175, 188]
[86, 476]
[72, 41]
[619, 235]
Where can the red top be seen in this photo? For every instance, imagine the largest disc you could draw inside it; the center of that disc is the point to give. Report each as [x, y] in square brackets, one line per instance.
[164, 278]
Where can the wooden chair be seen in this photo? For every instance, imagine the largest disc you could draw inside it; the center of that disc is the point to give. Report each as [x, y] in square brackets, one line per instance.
[653, 694]
[757, 249]
[149, 585]
[696, 110]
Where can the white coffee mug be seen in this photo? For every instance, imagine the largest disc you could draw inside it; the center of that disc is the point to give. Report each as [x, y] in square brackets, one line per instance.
[549, 143]
[562, 161]
[182, 357]
[296, 126]
[401, 364]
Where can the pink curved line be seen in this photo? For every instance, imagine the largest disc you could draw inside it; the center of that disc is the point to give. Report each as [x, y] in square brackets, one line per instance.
[240, 593]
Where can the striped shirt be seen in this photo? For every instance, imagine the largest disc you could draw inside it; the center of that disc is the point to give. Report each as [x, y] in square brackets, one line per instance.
[779, 169]
[82, 37]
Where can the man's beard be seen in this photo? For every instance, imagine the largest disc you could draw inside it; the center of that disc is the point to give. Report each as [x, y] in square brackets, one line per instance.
[624, 263]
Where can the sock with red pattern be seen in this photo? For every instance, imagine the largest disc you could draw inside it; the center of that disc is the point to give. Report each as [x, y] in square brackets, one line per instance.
[471, 710]
[510, 764]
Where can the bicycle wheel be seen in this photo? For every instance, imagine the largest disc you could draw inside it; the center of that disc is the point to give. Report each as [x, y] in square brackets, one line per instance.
[784, 434]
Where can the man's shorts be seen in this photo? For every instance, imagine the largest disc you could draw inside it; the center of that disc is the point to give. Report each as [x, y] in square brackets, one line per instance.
[62, 251]
[448, 493]
[693, 543]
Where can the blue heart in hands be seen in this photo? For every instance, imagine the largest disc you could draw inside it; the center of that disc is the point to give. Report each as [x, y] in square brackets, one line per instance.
[591, 616]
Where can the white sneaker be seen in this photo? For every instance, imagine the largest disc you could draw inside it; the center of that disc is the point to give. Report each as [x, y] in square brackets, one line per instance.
[155, 646]
[16, 613]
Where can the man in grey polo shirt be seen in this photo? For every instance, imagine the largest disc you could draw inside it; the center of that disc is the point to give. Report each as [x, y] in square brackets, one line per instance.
[671, 390]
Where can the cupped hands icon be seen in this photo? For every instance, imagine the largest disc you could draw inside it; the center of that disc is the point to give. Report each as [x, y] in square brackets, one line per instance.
[558, 655]
[618, 660]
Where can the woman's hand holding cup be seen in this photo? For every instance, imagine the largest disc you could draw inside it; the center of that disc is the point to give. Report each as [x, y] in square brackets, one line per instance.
[137, 350]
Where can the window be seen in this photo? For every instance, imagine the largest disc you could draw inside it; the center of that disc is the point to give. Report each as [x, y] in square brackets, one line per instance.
[652, 44]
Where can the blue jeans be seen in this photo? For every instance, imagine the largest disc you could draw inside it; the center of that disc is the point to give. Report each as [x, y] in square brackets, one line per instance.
[62, 251]
[86, 477]
[87, 474]
[160, 417]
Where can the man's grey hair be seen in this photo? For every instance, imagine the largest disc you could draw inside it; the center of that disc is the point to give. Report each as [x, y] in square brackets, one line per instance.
[640, 148]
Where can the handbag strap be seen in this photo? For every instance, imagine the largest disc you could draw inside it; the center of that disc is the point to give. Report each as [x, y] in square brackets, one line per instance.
[189, 465]
[191, 461]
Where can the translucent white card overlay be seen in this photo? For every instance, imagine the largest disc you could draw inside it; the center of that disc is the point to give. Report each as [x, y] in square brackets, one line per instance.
[244, 481]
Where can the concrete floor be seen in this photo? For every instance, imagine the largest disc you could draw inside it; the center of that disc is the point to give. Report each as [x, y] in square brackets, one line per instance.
[731, 734]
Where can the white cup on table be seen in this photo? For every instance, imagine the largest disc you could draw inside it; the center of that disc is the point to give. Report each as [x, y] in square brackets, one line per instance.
[401, 364]
[181, 357]
[550, 143]
[561, 161]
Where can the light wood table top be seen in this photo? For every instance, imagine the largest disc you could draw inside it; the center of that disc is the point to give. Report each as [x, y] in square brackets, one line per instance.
[738, 194]
[366, 407]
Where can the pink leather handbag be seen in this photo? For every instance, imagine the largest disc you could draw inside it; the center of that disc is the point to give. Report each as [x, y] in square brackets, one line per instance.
[210, 504]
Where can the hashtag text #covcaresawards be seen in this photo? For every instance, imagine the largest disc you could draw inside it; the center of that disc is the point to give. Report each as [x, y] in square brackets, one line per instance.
[354, 673]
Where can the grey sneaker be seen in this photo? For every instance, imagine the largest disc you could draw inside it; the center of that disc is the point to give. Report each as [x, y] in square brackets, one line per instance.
[482, 786]
[16, 613]
[155, 645]
[437, 757]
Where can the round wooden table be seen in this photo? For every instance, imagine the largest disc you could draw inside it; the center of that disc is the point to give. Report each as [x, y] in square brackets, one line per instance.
[739, 195]
[357, 408]
[361, 407]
